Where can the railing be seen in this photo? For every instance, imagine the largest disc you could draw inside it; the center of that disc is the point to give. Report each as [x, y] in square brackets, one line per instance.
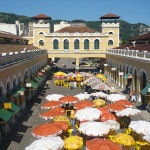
[144, 55]
[10, 58]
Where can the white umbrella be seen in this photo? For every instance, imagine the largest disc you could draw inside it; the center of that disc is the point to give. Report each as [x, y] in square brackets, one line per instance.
[128, 112]
[147, 138]
[99, 94]
[54, 143]
[140, 126]
[115, 97]
[100, 86]
[94, 128]
[54, 97]
[88, 114]
[112, 124]
[83, 96]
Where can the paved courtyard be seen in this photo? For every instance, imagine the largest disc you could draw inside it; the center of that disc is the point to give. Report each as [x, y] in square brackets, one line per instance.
[21, 136]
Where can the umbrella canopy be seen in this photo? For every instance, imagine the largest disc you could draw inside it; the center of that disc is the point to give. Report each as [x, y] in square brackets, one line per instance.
[99, 94]
[115, 97]
[140, 127]
[60, 73]
[114, 107]
[69, 99]
[87, 114]
[50, 114]
[124, 139]
[102, 144]
[103, 110]
[101, 86]
[125, 102]
[83, 96]
[128, 112]
[51, 104]
[45, 130]
[47, 143]
[147, 138]
[112, 124]
[108, 116]
[99, 102]
[94, 128]
[83, 104]
[73, 142]
[62, 118]
[54, 97]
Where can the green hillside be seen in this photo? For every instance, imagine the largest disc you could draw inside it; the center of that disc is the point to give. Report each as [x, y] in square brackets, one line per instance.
[127, 30]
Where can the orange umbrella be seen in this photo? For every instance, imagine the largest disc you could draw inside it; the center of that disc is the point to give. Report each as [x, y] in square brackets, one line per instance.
[44, 130]
[114, 107]
[68, 99]
[83, 104]
[124, 102]
[52, 113]
[108, 116]
[63, 125]
[51, 104]
[103, 110]
[102, 144]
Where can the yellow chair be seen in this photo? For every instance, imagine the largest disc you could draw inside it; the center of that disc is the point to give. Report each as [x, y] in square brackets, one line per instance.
[141, 145]
[70, 131]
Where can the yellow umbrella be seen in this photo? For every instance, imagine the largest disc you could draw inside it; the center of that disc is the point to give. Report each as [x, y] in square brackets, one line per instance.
[73, 142]
[60, 73]
[62, 118]
[124, 139]
[99, 102]
[102, 77]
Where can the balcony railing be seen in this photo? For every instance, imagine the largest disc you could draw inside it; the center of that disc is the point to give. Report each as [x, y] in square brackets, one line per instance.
[144, 55]
[10, 58]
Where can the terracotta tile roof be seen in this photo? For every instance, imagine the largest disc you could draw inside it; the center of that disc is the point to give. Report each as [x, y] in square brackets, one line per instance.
[77, 29]
[11, 36]
[110, 16]
[140, 47]
[4, 48]
[41, 16]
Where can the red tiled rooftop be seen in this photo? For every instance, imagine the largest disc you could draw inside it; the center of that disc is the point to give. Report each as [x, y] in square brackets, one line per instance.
[140, 47]
[41, 16]
[77, 29]
[142, 37]
[110, 16]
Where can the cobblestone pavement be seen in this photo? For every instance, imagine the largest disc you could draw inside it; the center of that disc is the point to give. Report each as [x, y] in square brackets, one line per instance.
[20, 136]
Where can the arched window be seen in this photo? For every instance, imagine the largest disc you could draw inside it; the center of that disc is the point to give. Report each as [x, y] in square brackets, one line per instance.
[96, 44]
[110, 32]
[55, 44]
[1, 91]
[8, 87]
[66, 44]
[41, 33]
[86, 44]
[14, 83]
[110, 43]
[76, 44]
[41, 43]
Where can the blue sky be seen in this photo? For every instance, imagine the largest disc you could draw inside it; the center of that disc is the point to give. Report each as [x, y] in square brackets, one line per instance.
[133, 11]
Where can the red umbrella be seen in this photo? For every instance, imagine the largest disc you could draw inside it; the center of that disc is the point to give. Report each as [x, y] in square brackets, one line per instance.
[103, 110]
[108, 116]
[102, 144]
[45, 130]
[124, 102]
[68, 99]
[83, 104]
[51, 104]
[52, 113]
[114, 107]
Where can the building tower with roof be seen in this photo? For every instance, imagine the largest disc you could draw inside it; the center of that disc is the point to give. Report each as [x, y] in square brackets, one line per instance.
[76, 40]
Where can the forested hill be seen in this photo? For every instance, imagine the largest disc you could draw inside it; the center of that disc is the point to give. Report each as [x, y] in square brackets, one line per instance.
[127, 30]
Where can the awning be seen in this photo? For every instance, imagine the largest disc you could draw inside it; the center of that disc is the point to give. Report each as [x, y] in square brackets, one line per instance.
[128, 76]
[5, 114]
[145, 90]
[4, 99]
[34, 85]
[14, 108]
